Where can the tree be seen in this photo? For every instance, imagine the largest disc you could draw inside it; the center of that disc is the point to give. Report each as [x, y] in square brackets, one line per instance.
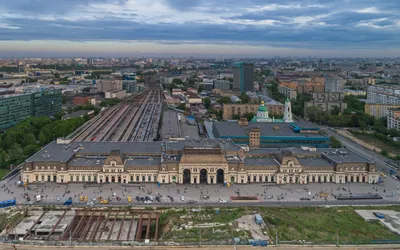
[235, 117]
[30, 150]
[29, 139]
[335, 142]
[177, 81]
[200, 89]
[249, 116]
[207, 102]
[245, 98]
[58, 115]
[335, 110]
[224, 100]
[42, 138]
[384, 152]
[182, 106]
[16, 154]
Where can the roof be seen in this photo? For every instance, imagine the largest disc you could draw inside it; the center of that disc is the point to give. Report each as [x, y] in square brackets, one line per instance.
[314, 162]
[344, 155]
[262, 108]
[85, 162]
[267, 129]
[144, 161]
[259, 161]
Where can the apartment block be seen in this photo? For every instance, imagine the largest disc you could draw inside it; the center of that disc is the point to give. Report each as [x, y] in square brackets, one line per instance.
[383, 94]
[393, 119]
[379, 110]
[240, 109]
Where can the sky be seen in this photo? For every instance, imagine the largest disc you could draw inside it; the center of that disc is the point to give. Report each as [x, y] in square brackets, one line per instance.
[250, 28]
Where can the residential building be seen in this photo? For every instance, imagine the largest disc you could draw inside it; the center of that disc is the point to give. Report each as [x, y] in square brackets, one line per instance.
[288, 92]
[326, 105]
[379, 110]
[207, 161]
[81, 100]
[328, 97]
[383, 94]
[222, 84]
[334, 84]
[393, 119]
[15, 108]
[240, 109]
[243, 77]
[108, 85]
[119, 94]
[354, 92]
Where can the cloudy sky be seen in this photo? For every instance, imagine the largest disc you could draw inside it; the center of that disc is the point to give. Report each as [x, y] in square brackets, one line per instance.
[251, 28]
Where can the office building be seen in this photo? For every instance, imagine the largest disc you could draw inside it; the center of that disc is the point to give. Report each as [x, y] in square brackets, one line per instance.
[393, 119]
[243, 77]
[222, 84]
[379, 110]
[328, 97]
[15, 108]
[108, 85]
[383, 94]
[209, 161]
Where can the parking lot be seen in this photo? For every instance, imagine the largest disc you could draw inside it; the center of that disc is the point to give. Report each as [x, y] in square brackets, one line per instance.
[118, 193]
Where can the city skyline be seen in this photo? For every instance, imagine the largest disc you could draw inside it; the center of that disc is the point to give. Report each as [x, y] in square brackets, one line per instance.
[253, 28]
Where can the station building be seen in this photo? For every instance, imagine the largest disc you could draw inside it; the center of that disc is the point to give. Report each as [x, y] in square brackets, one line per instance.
[208, 161]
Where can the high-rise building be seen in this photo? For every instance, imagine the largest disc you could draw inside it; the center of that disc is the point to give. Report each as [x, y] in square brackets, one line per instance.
[383, 94]
[243, 77]
[393, 119]
[17, 107]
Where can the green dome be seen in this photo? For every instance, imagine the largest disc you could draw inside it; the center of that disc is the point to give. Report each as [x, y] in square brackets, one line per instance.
[262, 108]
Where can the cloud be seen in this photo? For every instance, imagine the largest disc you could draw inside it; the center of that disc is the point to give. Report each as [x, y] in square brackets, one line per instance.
[308, 24]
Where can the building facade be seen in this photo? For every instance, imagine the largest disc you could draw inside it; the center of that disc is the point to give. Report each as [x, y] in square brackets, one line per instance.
[196, 162]
[393, 119]
[108, 85]
[325, 106]
[383, 94]
[243, 77]
[240, 109]
[15, 108]
[379, 110]
[288, 92]
[334, 84]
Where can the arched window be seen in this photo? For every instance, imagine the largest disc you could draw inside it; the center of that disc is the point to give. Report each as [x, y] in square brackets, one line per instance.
[143, 178]
[137, 178]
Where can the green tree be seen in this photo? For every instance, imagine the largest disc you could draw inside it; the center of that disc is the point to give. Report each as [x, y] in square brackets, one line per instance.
[384, 152]
[16, 154]
[58, 115]
[29, 139]
[30, 150]
[249, 116]
[335, 142]
[207, 102]
[182, 106]
[43, 138]
[244, 97]
[335, 110]
[177, 81]
[224, 100]
[235, 117]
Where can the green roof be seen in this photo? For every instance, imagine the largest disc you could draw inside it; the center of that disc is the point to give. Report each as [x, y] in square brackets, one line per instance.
[262, 108]
[287, 99]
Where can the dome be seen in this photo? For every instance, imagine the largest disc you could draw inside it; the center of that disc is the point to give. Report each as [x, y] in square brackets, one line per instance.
[262, 108]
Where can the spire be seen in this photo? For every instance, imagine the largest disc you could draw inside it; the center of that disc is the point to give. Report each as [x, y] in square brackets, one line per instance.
[287, 99]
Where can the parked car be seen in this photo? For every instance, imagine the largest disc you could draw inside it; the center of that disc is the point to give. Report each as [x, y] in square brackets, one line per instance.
[182, 198]
[147, 202]
[129, 199]
[138, 198]
[171, 198]
[158, 199]
[223, 201]
[142, 199]
[191, 201]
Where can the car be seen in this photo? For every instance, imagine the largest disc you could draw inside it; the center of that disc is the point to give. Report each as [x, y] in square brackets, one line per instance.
[129, 199]
[142, 199]
[118, 198]
[137, 198]
[158, 199]
[91, 204]
[28, 198]
[182, 198]
[58, 198]
[151, 198]
[223, 201]
[147, 202]
[191, 201]
[85, 198]
[379, 215]
[104, 201]
[171, 198]
[147, 198]
[80, 198]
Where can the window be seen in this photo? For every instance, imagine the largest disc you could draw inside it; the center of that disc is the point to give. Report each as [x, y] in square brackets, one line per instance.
[149, 178]
[155, 178]
[131, 178]
[95, 178]
[83, 178]
[143, 178]
[76, 178]
[137, 178]
[260, 178]
[89, 178]
[71, 178]
[37, 178]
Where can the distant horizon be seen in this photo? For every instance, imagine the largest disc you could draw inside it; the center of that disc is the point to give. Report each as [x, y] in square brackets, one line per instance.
[252, 28]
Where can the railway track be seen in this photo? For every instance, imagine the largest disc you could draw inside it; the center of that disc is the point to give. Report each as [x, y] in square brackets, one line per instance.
[136, 119]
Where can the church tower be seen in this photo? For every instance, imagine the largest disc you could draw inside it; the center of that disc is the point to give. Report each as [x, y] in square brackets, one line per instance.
[287, 117]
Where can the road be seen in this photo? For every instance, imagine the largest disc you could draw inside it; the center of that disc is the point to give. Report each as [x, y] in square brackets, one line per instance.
[281, 247]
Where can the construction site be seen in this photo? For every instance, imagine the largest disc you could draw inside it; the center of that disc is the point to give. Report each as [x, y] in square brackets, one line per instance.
[85, 225]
